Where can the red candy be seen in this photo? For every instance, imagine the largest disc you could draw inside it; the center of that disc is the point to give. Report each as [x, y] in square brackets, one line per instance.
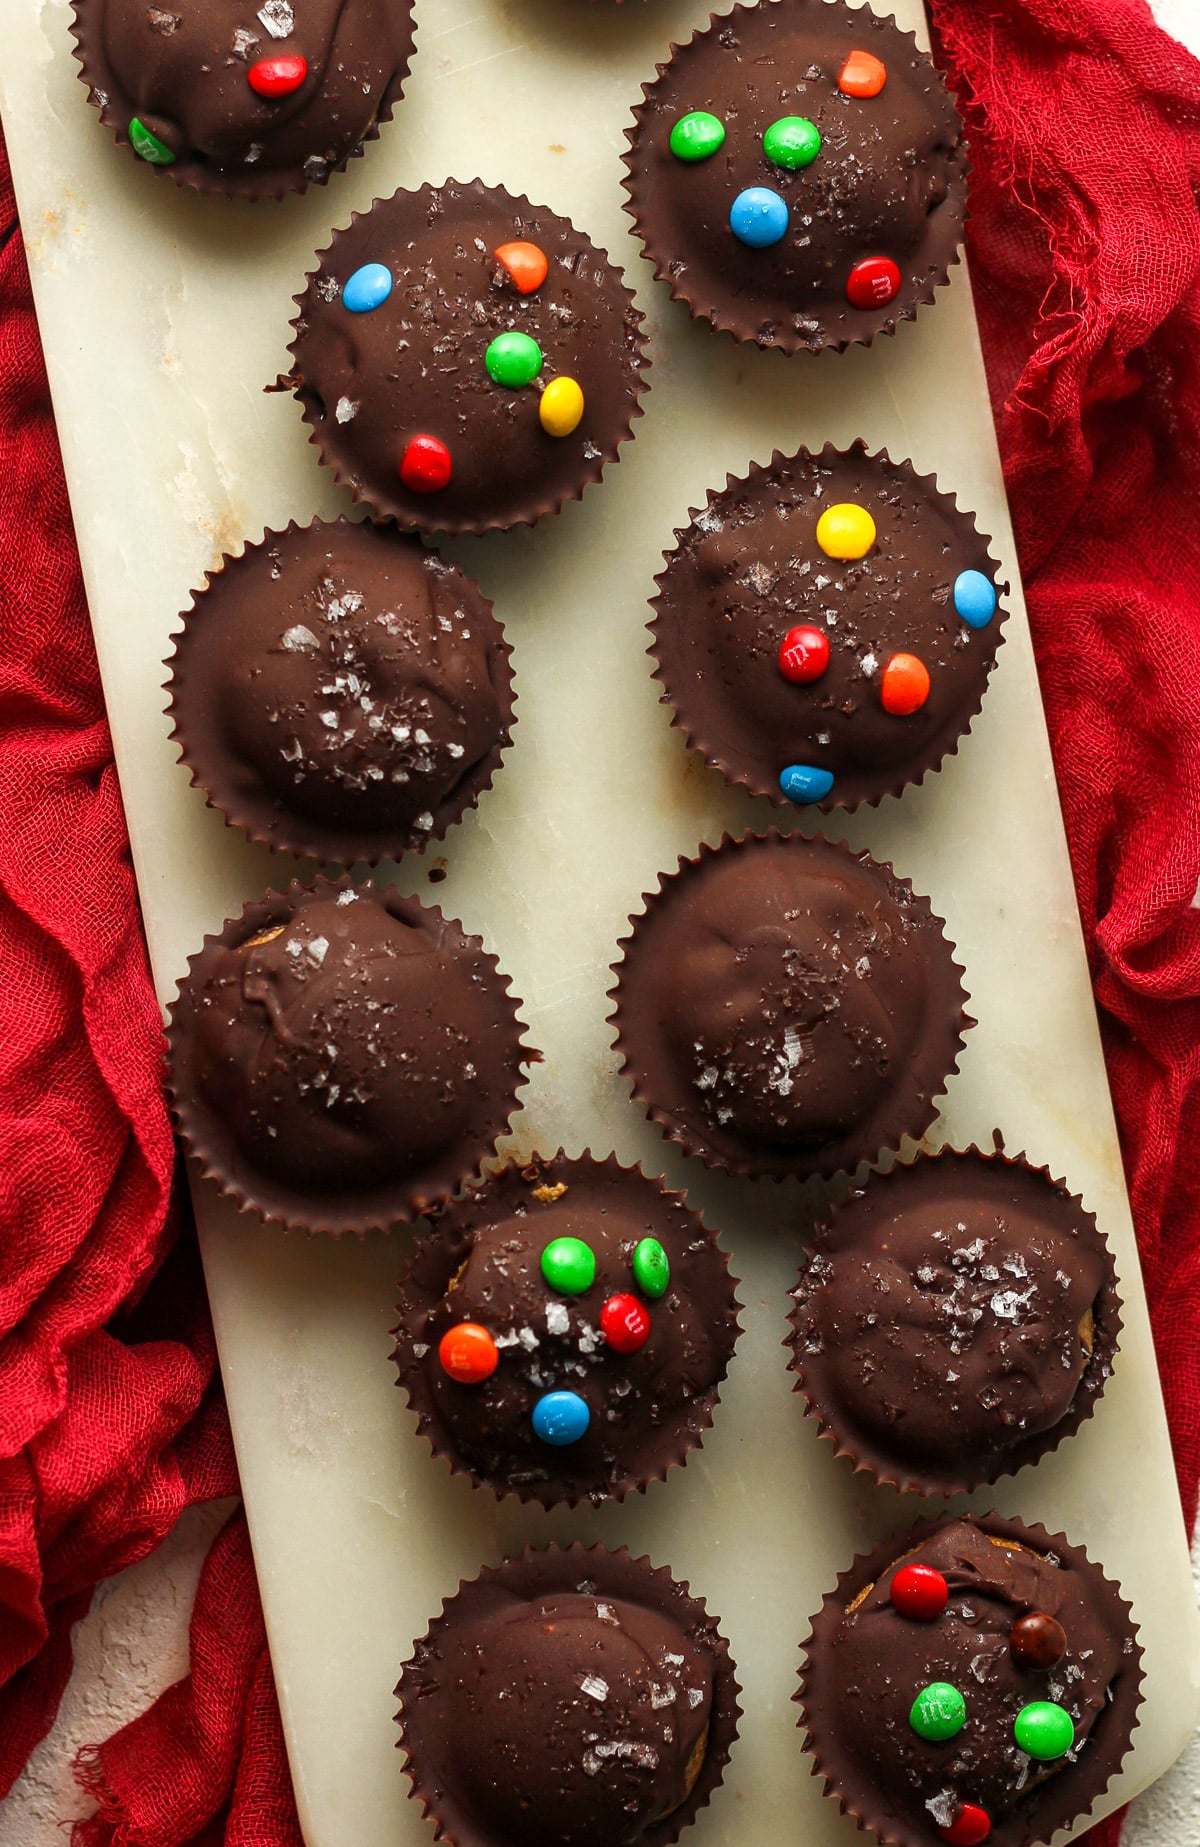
[425, 466]
[803, 654]
[625, 1323]
[970, 1826]
[872, 283]
[920, 1592]
[863, 74]
[468, 1353]
[277, 76]
[904, 686]
[526, 264]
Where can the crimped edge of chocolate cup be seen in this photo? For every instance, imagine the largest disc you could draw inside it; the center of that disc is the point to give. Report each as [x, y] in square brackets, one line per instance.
[538, 1571]
[208, 183]
[208, 1144]
[539, 507]
[1088, 1392]
[925, 762]
[822, 1166]
[737, 326]
[1115, 1724]
[466, 1207]
[306, 838]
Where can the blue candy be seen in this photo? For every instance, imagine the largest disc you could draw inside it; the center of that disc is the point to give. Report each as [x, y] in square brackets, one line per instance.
[974, 598]
[758, 217]
[560, 1418]
[369, 287]
[803, 782]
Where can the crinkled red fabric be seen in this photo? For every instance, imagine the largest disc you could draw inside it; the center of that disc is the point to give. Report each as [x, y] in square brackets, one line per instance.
[1085, 252]
[110, 1419]
[1084, 245]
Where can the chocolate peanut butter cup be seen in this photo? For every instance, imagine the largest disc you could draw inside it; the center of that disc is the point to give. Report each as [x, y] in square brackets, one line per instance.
[564, 1330]
[342, 1057]
[340, 691]
[466, 361]
[971, 1680]
[251, 101]
[797, 175]
[785, 1006]
[956, 1320]
[825, 628]
[568, 1698]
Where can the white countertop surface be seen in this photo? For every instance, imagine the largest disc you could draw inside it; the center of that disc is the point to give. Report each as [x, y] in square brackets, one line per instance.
[134, 1642]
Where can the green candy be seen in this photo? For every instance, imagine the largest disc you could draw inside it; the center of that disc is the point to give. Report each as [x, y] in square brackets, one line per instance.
[793, 141]
[568, 1265]
[938, 1712]
[1044, 1730]
[651, 1268]
[148, 146]
[697, 136]
[513, 359]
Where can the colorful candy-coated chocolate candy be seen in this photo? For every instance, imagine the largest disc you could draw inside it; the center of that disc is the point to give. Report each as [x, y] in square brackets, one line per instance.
[804, 654]
[425, 466]
[561, 406]
[569, 1266]
[845, 531]
[513, 359]
[697, 136]
[468, 1353]
[938, 1712]
[277, 76]
[919, 1592]
[904, 685]
[970, 1827]
[651, 1268]
[974, 598]
[805, 782]
[1037, 1641]
[793, 141]
[367, 289]
[625, 1323]
[758, 217]
[872, 283]
[863, 74]
[1045, 1730]
[560, 1418]
[148, 146]
[526, 264]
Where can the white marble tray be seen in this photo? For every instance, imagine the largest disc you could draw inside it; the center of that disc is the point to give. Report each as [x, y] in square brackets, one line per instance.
[162, 318]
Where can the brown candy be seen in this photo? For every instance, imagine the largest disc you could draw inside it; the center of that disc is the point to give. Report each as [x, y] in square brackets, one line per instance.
[1037, 1641]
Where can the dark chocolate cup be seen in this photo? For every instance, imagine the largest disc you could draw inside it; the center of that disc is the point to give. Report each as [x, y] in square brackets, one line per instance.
[679, 87]
[539, 1191]
[574, 461]
[643, 1008]
[537, 1573]
[198, 175]
[960, 1176]
[208, 1136]
[197, 707]
[1059, 1798]
[752, 737]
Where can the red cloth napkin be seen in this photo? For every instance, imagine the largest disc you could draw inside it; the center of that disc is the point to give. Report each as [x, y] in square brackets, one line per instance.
[1085, 248]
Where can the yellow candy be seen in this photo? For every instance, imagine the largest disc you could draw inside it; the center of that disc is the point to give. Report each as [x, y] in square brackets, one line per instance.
[845, 531]
[561, 407]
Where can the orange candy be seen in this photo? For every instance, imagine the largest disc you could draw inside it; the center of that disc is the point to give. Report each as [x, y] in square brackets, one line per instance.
[525, 263]
[862, 75]
[468, 1353]
[904, 687]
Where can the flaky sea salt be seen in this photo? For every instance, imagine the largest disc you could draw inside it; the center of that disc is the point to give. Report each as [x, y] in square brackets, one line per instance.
[277, 16]
[298, 639]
